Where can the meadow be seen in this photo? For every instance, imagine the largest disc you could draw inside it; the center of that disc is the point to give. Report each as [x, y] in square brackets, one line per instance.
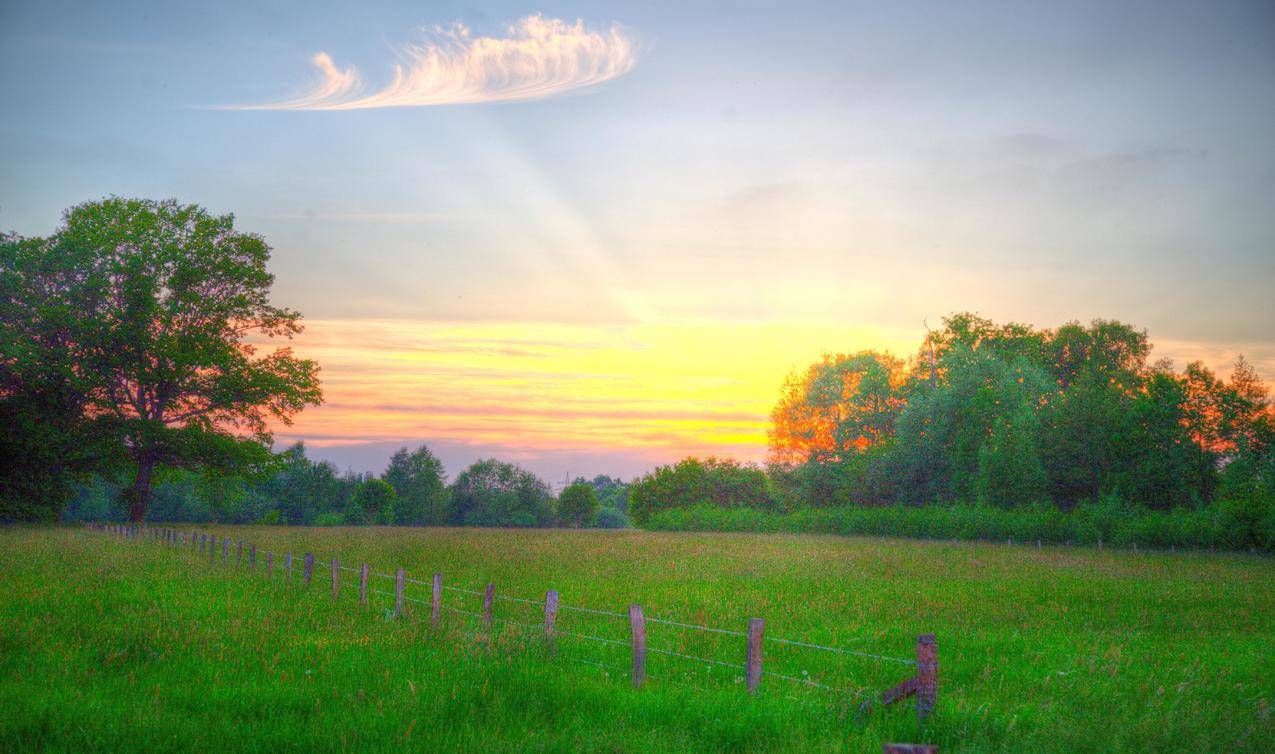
[113, 644]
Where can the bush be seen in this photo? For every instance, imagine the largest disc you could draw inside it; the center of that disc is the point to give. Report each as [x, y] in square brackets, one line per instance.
[611, 518]
[331, 518]
[1112, 523]
[722, 483]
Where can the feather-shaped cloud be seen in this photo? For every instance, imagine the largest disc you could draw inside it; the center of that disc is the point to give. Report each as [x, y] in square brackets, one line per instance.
[538, 57]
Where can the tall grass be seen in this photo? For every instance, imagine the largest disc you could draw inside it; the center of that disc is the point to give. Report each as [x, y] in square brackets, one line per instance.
[114, 645]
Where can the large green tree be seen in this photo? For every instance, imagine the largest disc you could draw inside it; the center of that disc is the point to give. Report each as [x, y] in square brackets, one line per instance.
[160, 311]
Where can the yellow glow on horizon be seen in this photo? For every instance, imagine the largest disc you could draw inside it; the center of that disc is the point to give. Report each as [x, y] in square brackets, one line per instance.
[660, 390]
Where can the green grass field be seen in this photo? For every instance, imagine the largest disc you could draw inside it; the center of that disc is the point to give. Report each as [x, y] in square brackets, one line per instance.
[110, 644]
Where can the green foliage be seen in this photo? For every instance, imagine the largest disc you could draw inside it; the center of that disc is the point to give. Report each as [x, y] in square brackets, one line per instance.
[495, 493]
[714, 481]
[578, 504]
[375, 502]
[131, 323]
[611, 518]
[1114, 524]
[420, 483]
[331, 518]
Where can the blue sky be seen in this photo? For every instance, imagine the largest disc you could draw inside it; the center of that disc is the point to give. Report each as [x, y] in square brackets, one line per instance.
[848, 165]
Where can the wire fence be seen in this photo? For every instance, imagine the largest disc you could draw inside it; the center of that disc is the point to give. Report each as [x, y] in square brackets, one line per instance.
[923, 684]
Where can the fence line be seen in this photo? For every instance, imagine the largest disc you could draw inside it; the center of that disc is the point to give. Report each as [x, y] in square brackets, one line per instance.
[923, 685]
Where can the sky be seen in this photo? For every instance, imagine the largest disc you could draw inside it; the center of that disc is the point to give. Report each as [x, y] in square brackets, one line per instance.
[595, 237]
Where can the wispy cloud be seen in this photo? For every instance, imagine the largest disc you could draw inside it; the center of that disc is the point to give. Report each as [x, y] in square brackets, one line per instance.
[538, 57]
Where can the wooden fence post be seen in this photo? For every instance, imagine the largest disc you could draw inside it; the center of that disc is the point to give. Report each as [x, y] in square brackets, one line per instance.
[308, 569]
[288, 564]
[755, 628]
[489, 597]
[436, 606]
[252, 556]
[637, 626]
[363, 584]
[269, 562]
[225, 550]
[398, 593]
[212, 549]
[336, 566]
[239, 557]
[927, 674]
[551, 616]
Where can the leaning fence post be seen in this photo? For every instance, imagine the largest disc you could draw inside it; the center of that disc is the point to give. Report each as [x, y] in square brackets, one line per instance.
[755, 628]
[436, 604]
[308, 570]
[398, 593]
[637, 626]
[927, 674]
[336, 565]
[489, 596]
[363, 584]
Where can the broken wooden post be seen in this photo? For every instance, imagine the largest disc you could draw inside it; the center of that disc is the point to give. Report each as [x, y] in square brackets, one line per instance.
[637, 627]
[927, 674]
[755, 628]
[436, 606]
[336, 567]
[398, 593]
[551, 616]
[363, 585]
[489, 596]
[308, 570]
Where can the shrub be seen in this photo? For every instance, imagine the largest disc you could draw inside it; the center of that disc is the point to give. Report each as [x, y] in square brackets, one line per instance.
[331, 518]
[722, 483]
[611, 518]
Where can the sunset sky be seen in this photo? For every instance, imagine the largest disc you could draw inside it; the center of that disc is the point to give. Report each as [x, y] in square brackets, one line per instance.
[593, 237]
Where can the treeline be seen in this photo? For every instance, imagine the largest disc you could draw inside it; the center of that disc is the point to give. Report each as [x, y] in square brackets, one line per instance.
[412, 491]
[999, 417]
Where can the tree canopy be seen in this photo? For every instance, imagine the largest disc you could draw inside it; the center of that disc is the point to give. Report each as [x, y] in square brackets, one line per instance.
[143, 322]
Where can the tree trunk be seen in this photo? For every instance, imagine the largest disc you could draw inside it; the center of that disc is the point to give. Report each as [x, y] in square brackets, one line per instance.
[139, 494]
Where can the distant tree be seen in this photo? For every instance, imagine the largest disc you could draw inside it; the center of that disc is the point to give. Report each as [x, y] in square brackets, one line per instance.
[495, 493]
[156, 300]
[578, 504]
[375, 502]
[418, 479]
[839, 405]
